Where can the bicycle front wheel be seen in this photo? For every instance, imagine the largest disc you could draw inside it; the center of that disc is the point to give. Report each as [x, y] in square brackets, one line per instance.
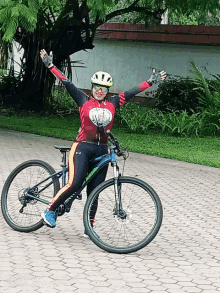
[138, 226]
[21, 212]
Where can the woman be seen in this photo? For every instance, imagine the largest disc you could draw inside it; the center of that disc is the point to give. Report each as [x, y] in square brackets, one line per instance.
[96, 115]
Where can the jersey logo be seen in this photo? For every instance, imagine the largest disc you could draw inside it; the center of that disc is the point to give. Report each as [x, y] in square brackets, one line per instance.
[100, 116]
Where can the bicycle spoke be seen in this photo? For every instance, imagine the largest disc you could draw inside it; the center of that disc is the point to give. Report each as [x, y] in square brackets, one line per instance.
[23, 213]
[136, 225]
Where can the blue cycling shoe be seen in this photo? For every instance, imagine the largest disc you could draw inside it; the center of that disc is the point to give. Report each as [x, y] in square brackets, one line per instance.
[49, 218]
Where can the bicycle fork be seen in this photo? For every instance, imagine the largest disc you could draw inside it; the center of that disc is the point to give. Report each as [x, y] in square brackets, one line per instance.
[117, 188]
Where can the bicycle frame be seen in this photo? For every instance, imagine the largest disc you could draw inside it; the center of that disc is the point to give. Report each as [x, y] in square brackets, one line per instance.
[101, 161]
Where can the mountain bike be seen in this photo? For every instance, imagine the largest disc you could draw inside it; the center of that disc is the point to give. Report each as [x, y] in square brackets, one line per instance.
[128, 212]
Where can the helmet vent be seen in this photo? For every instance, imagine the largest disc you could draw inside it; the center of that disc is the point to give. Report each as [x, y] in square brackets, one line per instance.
[102, 78]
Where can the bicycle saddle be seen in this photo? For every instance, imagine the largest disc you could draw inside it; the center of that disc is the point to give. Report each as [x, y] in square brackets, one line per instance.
[62, 148]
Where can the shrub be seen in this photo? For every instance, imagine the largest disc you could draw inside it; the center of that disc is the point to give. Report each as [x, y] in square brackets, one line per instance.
[139, 119]
[183, 124]
[209, 100]
[208, 90]
[177, 94]
[62, 103]
[210, 123]
[8, 89]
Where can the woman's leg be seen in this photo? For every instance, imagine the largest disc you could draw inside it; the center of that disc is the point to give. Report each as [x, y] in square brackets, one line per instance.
[99, 178]
[78, 166]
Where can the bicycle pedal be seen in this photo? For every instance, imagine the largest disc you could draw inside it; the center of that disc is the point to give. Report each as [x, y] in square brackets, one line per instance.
[68, 204]
[79, 196]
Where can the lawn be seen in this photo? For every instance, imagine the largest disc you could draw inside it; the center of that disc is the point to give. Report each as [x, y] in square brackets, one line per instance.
[204, 151]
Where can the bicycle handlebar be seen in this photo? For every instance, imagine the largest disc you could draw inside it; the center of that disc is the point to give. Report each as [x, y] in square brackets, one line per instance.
[110, 134]
[116, 144]
[113, 140]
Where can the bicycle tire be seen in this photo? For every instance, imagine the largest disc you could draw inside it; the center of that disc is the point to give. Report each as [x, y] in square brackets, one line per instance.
[22, 177]
[114, 227]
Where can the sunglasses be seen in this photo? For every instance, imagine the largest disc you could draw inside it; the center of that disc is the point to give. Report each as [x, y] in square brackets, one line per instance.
[98, 87]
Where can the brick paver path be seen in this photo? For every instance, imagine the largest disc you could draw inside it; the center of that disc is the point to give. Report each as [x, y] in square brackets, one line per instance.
[184, 256]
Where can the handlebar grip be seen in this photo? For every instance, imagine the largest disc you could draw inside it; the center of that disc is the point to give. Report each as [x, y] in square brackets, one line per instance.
[115, 141]
[110, 134]
[116, 144]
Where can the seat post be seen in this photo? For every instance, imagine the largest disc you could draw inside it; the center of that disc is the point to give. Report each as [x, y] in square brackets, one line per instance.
[63, 149]
[63, 165]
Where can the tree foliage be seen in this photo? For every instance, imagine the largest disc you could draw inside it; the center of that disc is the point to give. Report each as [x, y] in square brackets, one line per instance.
[24, 13]
[195, 18]
[180, 13]
[17, 13]
[68, 26]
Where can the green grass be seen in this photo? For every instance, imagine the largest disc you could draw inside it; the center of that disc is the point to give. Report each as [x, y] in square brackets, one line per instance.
[204, 151]
[65, 128]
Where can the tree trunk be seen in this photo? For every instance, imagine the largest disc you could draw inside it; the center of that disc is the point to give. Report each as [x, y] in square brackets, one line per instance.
[34, 90]
[3, 56]
[64, 37]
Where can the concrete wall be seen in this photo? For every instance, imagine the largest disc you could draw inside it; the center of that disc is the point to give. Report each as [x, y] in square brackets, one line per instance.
[128, 61]
[16, 56]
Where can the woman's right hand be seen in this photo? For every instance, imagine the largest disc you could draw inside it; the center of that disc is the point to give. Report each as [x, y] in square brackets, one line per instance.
[47, 59]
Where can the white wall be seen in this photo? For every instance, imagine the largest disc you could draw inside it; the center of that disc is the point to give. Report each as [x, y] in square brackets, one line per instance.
[128, 61]
[15, 57]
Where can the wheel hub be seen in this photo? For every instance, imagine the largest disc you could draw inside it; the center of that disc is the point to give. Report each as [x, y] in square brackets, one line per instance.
[124, 215]
[23, 196]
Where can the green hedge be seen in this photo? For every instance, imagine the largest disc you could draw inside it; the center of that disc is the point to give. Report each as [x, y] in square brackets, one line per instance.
[177, 94]
[138, 119]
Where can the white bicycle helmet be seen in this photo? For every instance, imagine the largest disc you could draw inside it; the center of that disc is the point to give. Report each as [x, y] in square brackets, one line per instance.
[102, 78]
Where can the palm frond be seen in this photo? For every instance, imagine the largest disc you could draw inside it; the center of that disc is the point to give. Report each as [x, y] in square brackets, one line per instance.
[10, 30]
[200, 80]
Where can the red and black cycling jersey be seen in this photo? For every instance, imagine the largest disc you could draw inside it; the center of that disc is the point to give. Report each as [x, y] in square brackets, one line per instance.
[96, 116]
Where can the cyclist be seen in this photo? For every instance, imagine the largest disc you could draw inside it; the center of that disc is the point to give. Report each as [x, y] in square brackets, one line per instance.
[96, 115]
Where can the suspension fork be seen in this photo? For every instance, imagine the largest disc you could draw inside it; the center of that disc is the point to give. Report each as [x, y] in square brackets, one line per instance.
[117, 188]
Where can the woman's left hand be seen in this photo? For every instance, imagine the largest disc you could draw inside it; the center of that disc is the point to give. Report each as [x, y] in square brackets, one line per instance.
[157, 77]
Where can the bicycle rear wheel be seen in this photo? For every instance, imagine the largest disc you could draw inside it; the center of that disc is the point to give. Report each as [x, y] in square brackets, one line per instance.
[139, 226]
[20, 212]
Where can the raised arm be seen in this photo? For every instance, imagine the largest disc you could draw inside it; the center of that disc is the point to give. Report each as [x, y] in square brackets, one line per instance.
[75, 93]
[122, 98]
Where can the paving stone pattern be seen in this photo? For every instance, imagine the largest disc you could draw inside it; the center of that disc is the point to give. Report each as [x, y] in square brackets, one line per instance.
[184, 256]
